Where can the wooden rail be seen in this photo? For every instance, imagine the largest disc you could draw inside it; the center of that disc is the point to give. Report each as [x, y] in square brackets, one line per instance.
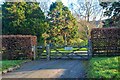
[57, 54]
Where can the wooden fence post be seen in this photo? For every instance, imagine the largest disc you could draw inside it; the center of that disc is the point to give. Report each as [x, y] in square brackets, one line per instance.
[48, 51]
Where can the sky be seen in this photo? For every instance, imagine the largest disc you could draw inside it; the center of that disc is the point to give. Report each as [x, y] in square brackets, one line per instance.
[1, 1]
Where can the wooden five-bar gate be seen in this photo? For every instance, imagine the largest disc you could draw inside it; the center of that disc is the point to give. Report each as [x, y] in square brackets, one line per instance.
[102, 42]
[73, 53]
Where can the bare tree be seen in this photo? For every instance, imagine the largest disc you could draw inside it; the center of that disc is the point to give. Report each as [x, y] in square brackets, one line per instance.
[87, 12]
[86, 9]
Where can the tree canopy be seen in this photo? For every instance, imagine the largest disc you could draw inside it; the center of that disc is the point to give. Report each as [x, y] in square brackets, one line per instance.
[24, 18]
[58, 25]
[62, 24]
[112, 11]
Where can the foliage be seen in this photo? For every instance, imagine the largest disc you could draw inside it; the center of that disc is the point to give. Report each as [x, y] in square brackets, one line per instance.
[0, 12]
[13, 15]
[104, 67]
[105, 40]
[84, 43]
[18, 46]
[61, 23]
[23, 18]
[76, 42]
[85, 28]
[0, 20]
[112, 11]
[9, 63]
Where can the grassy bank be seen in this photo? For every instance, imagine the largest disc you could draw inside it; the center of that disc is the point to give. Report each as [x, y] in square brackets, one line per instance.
[104, 67]
[5, 64]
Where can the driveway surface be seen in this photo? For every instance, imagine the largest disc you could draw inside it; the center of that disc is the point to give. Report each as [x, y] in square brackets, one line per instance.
[50, 69]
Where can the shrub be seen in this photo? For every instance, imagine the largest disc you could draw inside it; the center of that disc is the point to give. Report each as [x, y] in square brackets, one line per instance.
[105, 41]
[18, 46]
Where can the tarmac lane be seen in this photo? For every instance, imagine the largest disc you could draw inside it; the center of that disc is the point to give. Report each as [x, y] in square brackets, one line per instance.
[50, 69]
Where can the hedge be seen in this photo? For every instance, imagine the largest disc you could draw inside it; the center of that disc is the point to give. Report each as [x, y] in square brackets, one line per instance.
[18, 46]
[105, 41]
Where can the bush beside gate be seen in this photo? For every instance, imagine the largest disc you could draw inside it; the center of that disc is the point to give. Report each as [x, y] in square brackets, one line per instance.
[18, 46]
[105, 41]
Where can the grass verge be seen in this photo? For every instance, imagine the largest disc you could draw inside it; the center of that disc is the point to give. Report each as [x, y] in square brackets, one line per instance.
[5, 64]
[104, 67]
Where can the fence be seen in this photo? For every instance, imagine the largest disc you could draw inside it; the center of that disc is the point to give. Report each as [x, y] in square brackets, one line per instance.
[18, 46]
[105, 41]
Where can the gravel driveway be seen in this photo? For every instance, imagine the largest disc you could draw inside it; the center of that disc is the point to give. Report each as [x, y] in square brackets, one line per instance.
[50, 69]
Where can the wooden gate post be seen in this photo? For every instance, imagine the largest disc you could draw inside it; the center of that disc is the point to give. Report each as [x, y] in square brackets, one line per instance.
[48, 51]
[34, 52]
[89, 48]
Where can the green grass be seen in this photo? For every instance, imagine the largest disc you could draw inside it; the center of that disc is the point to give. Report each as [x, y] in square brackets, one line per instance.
[5, 64]
[104, 67]
[63, 50]
[83, 49]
